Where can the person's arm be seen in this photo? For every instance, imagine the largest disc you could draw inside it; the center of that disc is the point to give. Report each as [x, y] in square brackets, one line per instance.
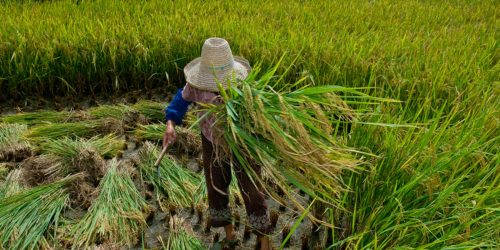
[177, 108]
[174, 114]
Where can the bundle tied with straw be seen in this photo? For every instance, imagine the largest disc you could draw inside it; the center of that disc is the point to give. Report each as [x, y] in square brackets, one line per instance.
[289, 131]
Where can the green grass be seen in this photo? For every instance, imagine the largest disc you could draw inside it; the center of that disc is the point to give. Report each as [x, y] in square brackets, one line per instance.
[116, 216]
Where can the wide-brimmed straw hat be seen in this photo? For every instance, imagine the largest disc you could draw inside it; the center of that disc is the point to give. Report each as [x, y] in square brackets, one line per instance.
[217, 65]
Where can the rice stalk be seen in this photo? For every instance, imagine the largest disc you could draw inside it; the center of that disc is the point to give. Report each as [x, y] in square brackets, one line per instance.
[3, 170]
[152, 110]
[109, 111]
[40, 117]
[13, 147]
[172, 182]
[116, 215]
[289, 133]
[13, 184]
[188, 140]
[43, 132]
[127, 116]
[181, 237]
[107, 146]
[27, 216]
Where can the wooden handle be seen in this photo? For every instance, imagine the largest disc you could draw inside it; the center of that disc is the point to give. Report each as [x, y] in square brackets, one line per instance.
[163, 152]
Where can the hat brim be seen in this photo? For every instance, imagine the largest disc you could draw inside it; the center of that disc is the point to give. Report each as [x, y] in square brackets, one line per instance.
[209, 81]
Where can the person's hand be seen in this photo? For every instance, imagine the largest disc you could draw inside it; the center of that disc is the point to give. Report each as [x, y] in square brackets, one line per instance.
[170, 135]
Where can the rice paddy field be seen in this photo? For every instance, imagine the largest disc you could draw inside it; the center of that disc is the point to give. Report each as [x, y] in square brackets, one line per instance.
[83, 85]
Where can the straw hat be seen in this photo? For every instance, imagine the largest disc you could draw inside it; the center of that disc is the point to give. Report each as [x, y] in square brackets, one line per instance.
[217, 65]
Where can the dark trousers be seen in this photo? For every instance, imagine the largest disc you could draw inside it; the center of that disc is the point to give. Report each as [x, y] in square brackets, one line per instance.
[218, 178]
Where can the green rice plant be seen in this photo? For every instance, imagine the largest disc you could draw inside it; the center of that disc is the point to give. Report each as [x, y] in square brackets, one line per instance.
[188, 140]
[288, 133]
[152, 110]
[107, 146]
[171, 181]
[434, 186]
[41, 117]
[116, 216]
[12, 144]
[43, 132]
[180, 237]
[27, 216]
[13, 184]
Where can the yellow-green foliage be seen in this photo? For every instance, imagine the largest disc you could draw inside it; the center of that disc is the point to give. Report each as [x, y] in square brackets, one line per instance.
[410, 48]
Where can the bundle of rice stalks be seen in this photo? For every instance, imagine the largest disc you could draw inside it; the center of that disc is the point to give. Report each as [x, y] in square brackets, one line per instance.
[173, 182]
[108, 146]
[289, 133]
[121, 114]
[188, 140]
[40, 117]
[109, 111]
[13, 184]
[12, 145]
[27, 216]
[116, 216]
[70, 156]
[59, 130]
[153, 111]
[39, 170]
[181, 237]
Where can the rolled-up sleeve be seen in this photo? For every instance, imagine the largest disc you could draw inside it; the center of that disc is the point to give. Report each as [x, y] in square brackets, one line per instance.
[177, 108]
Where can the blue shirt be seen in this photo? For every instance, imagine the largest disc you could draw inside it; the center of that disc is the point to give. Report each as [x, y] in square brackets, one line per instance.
[177, 108]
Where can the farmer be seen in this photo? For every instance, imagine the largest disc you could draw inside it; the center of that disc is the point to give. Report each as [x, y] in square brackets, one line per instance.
[216, 66]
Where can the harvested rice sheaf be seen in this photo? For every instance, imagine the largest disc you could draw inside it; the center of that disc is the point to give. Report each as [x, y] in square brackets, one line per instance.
[288, 132]
[43, 132]
[107, 146]
[67, 156]
[13, 147]
[14, 183]
[153, 111]
[177, 185]
[40, 117]
[27, 216]
[116, 215]
[126, 116]
[188, 140]
[181, 236]
[39, 170]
